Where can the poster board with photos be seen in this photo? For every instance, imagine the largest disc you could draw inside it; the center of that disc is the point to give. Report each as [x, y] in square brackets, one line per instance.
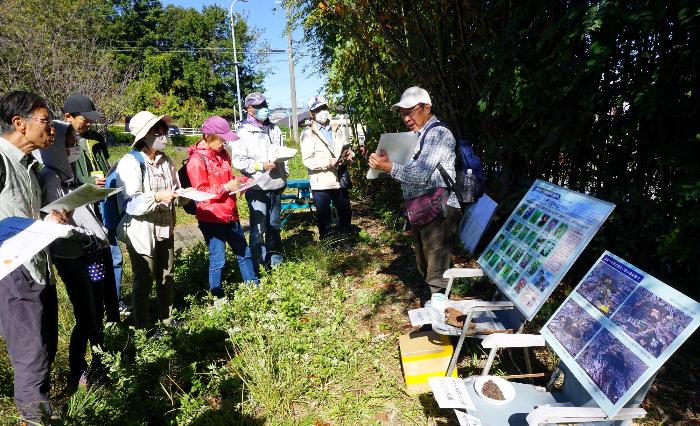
[540, 241]
[617, 328]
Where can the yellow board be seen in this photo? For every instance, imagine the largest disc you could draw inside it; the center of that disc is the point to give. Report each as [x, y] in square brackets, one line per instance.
[424, 355]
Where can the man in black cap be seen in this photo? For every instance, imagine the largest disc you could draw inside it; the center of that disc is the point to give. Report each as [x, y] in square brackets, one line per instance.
[80, 112]
[92, 166]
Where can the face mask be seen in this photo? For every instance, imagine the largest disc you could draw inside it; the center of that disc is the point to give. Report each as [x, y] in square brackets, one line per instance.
[262, 114]
[73, 153]
[322, 116]
[159, 143]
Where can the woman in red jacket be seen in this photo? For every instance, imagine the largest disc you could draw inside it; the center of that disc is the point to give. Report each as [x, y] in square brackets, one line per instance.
[209, 170]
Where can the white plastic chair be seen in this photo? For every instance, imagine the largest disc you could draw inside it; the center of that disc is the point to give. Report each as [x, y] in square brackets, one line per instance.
[534, 405]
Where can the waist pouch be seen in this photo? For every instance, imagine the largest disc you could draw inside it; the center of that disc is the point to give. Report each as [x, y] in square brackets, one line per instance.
[424, 209]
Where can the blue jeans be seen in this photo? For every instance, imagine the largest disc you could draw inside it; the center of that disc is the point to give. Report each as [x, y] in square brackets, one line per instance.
[216, 235]
[264, 207]
[117, 261]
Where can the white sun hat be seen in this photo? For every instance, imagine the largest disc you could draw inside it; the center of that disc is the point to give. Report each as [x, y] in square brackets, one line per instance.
[141, 123]
[412, 97]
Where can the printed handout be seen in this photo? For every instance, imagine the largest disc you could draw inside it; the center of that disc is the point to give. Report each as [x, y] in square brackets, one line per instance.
[194, 195]
[21, 238]
[82, 196]
[260, 180]
[283, 153]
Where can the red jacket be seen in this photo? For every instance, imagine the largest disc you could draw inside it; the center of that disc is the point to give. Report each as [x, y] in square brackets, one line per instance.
[208, 171]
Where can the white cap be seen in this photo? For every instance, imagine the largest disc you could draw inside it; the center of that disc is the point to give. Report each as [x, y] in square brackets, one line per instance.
[412, 97]
[316, 102]
[141, 123]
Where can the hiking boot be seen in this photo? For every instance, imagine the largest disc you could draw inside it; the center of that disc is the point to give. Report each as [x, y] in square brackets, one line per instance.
[124, 310]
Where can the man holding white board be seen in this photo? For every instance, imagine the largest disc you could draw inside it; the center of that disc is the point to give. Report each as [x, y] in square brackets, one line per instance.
[432, 210]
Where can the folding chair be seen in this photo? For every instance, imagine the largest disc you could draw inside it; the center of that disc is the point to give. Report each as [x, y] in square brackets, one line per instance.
[483, 317]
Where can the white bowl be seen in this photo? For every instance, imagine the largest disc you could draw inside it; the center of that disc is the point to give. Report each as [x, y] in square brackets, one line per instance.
[506, 389]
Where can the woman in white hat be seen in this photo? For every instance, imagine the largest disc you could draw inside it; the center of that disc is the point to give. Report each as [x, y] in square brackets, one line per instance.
[149, 179]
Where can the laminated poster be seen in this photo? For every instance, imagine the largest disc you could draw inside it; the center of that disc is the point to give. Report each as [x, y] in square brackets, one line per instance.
[617, 328]
[540, 241]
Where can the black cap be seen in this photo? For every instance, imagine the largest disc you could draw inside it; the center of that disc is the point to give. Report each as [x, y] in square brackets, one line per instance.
[81, 104]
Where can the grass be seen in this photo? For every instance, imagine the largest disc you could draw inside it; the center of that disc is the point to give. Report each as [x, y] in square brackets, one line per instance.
[314, 344]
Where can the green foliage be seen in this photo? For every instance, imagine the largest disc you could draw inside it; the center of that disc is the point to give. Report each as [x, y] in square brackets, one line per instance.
[598, 96]
[186, 58]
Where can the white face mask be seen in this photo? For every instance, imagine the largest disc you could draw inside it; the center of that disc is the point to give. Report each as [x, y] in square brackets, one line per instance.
[322, 116]
[159, 143]
[73, 153]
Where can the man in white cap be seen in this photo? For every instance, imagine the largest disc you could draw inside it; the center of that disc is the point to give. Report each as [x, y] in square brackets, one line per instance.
[253, 154]
[433, 242]
[325, 153]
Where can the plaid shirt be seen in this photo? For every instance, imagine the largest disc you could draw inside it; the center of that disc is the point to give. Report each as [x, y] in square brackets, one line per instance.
[421, 176]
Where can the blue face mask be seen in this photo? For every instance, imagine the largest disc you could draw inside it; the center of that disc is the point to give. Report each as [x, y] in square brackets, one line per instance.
[262, 114]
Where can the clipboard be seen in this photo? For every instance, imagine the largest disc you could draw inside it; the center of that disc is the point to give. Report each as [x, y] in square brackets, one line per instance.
[343, 151]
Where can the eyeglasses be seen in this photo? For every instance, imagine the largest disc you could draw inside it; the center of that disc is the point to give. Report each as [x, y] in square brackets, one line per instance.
[411, 111]
[44, 121]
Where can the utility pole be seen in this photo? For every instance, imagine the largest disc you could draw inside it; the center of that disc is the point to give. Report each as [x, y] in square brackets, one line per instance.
[235, 59]
[292, 84]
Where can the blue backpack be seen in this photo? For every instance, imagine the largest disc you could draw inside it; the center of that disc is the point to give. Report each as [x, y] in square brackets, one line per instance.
[112, 208]
[465, 159]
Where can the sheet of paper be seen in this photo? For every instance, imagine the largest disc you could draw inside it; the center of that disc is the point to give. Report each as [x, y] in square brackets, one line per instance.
[465, 419]
[450, 392]
[423, 316]
[260, 180]
[21, 238]
[82, 196]
[400, 147]
[617, 328]
[195, 195]
[475, 221]
[283, 153]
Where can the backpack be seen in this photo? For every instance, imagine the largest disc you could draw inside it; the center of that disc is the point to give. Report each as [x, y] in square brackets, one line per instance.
[185, 182]
[464, 159]
[112, 208]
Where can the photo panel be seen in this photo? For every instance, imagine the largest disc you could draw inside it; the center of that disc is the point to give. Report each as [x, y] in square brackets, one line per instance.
[606, 288]
[612, 366]
[651, 321]
[573, 327]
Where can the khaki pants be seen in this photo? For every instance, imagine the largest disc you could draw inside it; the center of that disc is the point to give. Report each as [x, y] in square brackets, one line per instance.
[433, 244]
[159, 266]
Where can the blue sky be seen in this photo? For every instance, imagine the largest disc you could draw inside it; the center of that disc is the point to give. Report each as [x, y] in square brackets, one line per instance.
[259, 14]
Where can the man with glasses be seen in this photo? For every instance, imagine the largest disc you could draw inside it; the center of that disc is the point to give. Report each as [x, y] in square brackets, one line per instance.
[253, 154]
[433, 242]
[28, 305]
